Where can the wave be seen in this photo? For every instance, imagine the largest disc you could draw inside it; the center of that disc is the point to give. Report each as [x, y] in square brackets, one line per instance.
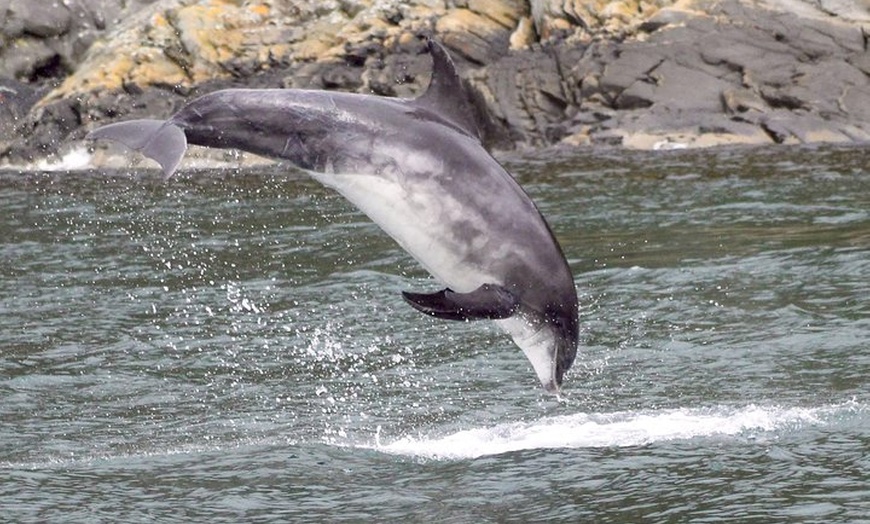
[618, 429]
[575, 431]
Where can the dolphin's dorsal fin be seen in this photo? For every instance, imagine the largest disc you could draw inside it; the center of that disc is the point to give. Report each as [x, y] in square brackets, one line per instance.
[446, 95]
[489, 301]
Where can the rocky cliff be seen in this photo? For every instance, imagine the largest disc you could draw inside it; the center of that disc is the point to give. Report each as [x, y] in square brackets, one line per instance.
[638, 73]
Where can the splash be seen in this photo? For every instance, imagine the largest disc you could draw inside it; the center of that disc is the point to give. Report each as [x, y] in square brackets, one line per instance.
[75, 159]
[618, 429]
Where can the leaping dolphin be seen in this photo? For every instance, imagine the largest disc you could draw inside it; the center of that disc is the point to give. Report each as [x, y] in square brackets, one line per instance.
[419, 170]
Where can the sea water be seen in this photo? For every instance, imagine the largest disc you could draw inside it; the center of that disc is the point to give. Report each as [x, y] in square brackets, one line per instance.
[231, 345]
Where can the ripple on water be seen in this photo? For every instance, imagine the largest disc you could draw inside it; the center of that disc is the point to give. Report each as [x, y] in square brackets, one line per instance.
[234, 347]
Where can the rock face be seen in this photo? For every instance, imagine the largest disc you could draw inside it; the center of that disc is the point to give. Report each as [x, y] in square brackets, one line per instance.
[638, 73]
[41, 43]
[733, 73]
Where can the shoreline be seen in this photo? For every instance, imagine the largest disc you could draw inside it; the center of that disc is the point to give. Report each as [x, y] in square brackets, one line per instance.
[81, 158]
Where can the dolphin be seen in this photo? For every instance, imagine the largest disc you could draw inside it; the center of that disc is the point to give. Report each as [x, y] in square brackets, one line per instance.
[417, 168]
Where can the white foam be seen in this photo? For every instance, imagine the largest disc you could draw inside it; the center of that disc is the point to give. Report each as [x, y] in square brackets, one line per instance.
[667, 145]
[618, 429]
[75, 159]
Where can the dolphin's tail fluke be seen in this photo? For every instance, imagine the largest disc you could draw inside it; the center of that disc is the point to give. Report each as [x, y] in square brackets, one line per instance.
[157, 139]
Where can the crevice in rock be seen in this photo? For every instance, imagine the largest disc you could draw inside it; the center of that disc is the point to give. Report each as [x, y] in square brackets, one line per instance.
[52, 67]
[778, 136]
[177, 52]
[779, 100]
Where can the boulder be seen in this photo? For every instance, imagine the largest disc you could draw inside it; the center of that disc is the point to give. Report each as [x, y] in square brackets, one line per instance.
[16, 100]
[39, 19]
[640, 73]
[737, 71]
[45, 40]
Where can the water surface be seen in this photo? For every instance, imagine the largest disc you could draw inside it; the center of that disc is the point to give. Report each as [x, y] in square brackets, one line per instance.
[232, 345]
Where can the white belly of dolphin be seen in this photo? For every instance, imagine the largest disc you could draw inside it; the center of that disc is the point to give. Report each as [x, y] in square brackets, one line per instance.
[417, 221]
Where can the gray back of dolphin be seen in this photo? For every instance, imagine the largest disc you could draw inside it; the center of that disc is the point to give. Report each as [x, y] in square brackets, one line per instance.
[418, 169]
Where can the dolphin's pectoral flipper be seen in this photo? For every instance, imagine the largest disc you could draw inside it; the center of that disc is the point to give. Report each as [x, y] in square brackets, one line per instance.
[157, 139]
[489, 301]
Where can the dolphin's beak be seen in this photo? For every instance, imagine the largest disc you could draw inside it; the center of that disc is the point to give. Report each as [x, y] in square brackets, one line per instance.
[552, 388]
